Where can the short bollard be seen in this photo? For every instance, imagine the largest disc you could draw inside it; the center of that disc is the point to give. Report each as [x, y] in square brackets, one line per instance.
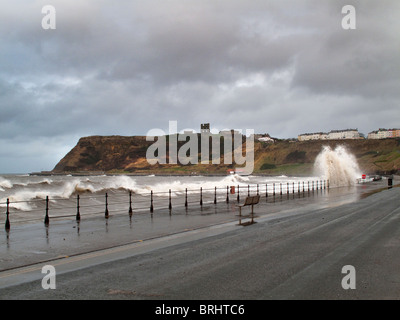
[390, 182]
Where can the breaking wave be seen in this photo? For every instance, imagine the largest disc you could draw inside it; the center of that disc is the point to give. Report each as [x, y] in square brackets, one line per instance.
[338, 166]
[4, 183]
[22, 194]
[178, 187]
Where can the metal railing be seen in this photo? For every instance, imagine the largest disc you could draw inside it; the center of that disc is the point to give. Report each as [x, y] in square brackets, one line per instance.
[130, 202]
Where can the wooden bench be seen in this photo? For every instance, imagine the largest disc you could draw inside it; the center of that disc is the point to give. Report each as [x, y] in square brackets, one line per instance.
[250, 201]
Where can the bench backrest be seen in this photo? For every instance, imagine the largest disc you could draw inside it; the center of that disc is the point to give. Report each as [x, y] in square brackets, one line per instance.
[251, 200]
[256, 199]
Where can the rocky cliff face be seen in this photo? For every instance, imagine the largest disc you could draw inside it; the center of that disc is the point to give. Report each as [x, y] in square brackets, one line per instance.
[119, 154]
[104, 153]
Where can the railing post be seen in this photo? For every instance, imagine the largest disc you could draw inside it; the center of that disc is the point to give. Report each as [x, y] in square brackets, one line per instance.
[151, 202]
[273, 192]
[46, 218]
[170, 203]
[248, 190]
[186, 202]
[281, 187]
[215, 195]
[201, 196]
[258, 190]
[78, 214]
[227, 194]
[266, 190]
[106, 214]
[238, 197]
[287, 187]
[7, 226]
[130, 211]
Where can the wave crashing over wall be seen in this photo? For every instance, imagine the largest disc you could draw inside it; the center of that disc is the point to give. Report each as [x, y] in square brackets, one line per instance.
[338, 166]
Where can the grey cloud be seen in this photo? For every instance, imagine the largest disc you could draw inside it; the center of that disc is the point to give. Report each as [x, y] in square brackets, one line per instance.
[125, 67]
[362, 61]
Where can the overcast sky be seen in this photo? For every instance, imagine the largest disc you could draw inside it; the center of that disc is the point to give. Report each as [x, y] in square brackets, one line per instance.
[124, 67]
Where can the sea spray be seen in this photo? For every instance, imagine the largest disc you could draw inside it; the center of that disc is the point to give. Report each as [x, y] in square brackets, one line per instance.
[338, 166]
[178, 187]
[4, 183]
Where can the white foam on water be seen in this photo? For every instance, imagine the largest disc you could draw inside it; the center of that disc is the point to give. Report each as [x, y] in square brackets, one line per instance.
[24, 192]
[179, 185]
[4, 183]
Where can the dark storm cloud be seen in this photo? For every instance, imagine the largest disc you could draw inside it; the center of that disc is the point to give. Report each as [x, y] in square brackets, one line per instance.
[125, 67]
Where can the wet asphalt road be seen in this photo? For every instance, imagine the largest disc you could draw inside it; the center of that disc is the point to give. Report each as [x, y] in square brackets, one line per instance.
[291, 253]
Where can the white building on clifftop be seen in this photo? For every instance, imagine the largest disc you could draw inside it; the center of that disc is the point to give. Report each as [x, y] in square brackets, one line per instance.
[344, 134]
[313, 136]
[332, 135]
[384, 134]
